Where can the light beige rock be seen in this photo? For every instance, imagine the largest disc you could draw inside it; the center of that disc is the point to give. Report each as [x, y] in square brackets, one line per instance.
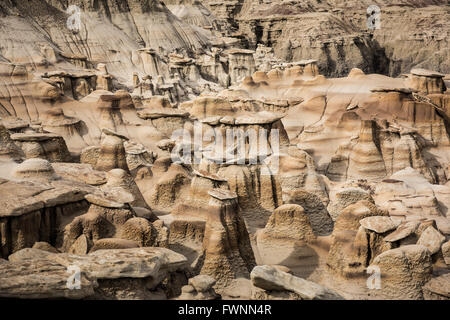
[41, 279]
[113, 243]
[28, 254]
[125, 263]
[378, 224]
[437, 288]
[35, 169]
[404, 271]
[403, 231]
[199, 288]
[270, 278]
[446, 252]
[45, 246]
[289, 223]
[432, 239]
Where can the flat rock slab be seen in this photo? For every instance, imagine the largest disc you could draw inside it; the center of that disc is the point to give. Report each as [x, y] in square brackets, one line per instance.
[426, 73]
[220, 194]
[443, 225]
[202, 283]
[239, 51]
[432, 239]
[41, 279]
[109, 132]
[211, 120]
[125, 263]
[378, 224]
[438, 288]
[403, 231]
[29, 137]
[35, 196]
[270, 278]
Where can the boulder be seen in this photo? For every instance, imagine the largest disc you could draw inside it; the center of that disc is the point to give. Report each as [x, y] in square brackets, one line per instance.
[378, 224]
[35, 169]
[272, 279]
[404, 271]
[140, 231]
[346, 197]
[199, 288]
[41, 279]
[446, 252]
[125, 263]
[226, 244]
[432, 239]
[45, 246]
[112, 152]
[28, 254]
[437, 288]
[350, 217]
[119, 178]
[288, 223]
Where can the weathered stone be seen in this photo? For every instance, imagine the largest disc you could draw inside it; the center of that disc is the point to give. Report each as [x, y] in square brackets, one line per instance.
[113, 243]
[270, 278]
[125, 263]
[404, 271]
[45, 246]
[81, 246]
[41, 279]
[202, 283]
[378, 224]
[403, 231]
[437, 288]
[28, 254]
[446, 252]
[432, 239]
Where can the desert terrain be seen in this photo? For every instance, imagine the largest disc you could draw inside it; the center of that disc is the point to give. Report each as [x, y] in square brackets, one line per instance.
[234, 150]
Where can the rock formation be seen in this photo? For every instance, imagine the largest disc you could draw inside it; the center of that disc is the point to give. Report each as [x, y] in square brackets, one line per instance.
[243, 149]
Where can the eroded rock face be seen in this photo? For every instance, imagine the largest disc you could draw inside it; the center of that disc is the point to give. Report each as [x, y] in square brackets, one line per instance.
[115, 145]
[270, 278]
[404, 271]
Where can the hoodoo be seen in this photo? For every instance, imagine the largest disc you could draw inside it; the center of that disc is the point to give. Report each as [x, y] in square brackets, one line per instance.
[224, 150]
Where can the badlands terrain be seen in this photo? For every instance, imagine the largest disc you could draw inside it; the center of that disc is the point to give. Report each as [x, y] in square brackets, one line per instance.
[234, 149]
